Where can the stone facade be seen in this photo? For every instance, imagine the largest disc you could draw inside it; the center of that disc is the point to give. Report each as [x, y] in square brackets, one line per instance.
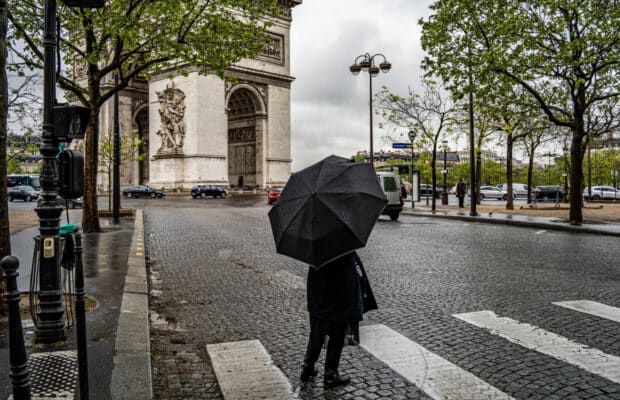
[201, 129]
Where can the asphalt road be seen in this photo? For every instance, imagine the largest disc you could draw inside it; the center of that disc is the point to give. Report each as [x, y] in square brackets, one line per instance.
[215, 277]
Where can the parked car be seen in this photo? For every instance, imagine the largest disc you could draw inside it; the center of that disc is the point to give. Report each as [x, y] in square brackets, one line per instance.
[602, 193]
[22, 192]
[142, 191]
[518, 189]
[274, 194]
[427, 190]
[71, 203]
[491, 192]
[548, 193]
[391, 187]
[204, 190]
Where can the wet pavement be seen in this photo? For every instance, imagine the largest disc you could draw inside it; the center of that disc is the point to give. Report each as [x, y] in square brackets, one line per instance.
[105, 266]
[214, 277]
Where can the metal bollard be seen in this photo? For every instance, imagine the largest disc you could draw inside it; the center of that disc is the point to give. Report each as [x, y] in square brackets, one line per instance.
[80, 317]
[20, 374]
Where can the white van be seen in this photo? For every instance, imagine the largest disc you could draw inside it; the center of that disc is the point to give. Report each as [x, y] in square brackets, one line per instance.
[518, 189]
[391, 187]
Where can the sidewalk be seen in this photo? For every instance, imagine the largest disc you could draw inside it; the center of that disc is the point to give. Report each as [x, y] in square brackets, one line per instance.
[117, 328]
[540, 222]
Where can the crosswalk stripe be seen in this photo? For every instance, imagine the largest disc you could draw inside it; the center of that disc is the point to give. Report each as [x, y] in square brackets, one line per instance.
[535, 338]
[437, 377]
[244, 370]
[593, 308]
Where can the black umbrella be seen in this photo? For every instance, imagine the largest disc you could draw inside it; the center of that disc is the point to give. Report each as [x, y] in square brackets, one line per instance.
[327, 210]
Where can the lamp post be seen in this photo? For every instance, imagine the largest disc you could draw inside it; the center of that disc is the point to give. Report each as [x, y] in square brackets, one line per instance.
[366, 62]
[51, 309]
[412, 135]
[444, 194]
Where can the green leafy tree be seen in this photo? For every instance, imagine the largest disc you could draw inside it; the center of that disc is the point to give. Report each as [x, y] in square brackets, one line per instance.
[563, 53]
[134, 39]
[13, 166]
[430, 113]
[130, 146]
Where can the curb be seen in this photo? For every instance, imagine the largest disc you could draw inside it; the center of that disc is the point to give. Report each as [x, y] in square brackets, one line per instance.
[505, 221]
[131, 376]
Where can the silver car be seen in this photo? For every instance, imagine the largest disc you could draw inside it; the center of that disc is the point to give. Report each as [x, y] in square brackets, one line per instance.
[602, 193]
[491, 192]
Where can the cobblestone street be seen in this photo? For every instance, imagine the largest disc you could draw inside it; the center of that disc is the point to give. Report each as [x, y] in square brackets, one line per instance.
[215, 277]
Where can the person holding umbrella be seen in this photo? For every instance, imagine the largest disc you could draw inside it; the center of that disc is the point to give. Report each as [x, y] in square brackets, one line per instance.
[338, 295]
[324, 213]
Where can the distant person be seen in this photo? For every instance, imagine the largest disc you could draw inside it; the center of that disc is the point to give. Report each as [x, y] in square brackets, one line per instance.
[338, 295]
[403, 190]
[461, 189]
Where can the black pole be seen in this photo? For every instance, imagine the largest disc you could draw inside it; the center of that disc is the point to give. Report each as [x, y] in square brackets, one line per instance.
[472, 166]
[444, 195]
[372, 151]
[80, 311]
[20, 374]
[51, 309]
[412, 189]
[116, 195]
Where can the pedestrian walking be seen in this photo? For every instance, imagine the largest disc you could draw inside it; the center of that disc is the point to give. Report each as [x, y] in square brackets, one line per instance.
[461, 189]
[338, 295]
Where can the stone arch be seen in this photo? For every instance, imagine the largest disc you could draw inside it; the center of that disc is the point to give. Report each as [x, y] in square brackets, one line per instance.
[141, 124]
[246, 111]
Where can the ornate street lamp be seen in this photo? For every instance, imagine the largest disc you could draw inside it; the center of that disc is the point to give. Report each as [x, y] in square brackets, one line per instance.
[366, 63]
[50, 312]
[412, 135]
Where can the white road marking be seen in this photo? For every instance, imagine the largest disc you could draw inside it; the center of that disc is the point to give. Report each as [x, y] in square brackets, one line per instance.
[245, 371]
[593, 308]
[535, 338]
[540, 232]
[437, 377]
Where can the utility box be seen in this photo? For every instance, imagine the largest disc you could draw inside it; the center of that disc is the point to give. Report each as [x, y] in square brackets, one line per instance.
[70, 174]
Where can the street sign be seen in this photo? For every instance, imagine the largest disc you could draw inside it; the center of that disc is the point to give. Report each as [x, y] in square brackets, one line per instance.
[401, 145]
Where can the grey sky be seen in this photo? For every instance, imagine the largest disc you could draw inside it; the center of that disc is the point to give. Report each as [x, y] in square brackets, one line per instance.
[329, 105]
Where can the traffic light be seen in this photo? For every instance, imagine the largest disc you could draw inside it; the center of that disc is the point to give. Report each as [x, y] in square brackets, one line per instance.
[70, 122]
[70, 174]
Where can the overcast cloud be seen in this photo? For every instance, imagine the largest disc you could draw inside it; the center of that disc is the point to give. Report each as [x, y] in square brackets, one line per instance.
[329, 105]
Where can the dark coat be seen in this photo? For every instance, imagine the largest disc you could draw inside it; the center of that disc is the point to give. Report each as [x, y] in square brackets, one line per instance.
[461, 189]
[337, 293]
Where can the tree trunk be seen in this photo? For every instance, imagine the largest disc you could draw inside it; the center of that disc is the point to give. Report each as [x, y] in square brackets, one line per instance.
[90, 216]
[5, 232]
[509, 200]
[577, 152]
[530, 176]
[434, 175]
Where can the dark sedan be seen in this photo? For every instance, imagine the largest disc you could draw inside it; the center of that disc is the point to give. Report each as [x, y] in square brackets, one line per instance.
[142, 191]
[205, 190]
[22, 192]
[548, 193]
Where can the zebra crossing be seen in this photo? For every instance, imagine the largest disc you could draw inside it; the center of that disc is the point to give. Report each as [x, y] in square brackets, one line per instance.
[244, 369]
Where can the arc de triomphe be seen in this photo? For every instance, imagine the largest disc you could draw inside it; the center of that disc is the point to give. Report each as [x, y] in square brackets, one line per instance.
[202, 129]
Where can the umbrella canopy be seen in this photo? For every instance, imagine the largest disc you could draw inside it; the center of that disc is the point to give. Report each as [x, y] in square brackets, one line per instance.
[327, 210]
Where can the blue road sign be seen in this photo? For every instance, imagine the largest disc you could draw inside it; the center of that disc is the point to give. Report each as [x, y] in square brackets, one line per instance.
[401, 145]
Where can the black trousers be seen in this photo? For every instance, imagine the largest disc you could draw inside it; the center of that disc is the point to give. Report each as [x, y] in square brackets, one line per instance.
[318, 330]
[461, 201]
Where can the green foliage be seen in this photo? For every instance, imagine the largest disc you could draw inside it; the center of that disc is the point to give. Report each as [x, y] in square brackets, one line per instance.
[14, 166]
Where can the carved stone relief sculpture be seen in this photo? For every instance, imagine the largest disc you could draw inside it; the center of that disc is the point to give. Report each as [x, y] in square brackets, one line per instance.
[172, 114]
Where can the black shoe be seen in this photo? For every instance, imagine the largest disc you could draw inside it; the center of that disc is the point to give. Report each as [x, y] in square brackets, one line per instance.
[307, 373]
[334, 379]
